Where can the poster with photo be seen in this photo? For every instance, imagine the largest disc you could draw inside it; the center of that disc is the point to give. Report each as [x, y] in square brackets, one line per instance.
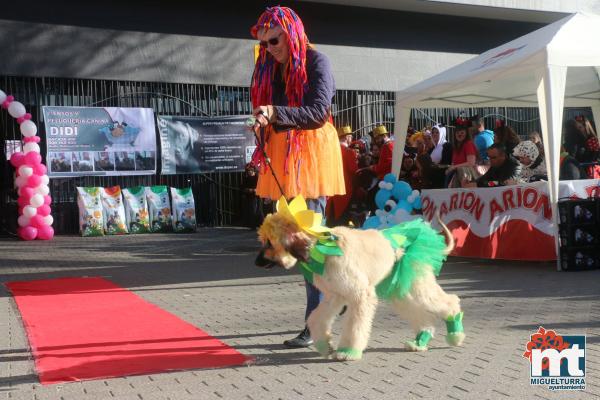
[100, 141]
[205, 144]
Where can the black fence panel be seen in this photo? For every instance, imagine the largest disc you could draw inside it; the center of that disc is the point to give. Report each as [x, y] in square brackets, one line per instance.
[217, 195]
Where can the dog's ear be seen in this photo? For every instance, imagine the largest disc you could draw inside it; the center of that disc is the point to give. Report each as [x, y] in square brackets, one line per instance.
[298, 244]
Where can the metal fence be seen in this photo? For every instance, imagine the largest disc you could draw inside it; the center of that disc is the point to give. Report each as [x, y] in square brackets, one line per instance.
[218, 198]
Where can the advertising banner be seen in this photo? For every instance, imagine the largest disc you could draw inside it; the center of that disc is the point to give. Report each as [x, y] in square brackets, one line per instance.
[508, 222]
[100, 141]
[205, 144]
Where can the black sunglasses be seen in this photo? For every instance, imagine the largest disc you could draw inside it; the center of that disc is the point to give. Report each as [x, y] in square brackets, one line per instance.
[273, 41]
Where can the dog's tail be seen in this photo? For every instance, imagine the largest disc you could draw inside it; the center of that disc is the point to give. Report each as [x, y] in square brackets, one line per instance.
[447, 232]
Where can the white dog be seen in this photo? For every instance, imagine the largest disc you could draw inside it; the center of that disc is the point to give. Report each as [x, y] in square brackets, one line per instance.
[357, 267]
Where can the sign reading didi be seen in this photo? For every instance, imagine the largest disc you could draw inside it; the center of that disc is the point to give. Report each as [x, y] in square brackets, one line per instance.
[557, 362]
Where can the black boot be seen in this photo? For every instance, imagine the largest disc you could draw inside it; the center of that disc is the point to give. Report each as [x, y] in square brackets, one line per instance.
[302, 340]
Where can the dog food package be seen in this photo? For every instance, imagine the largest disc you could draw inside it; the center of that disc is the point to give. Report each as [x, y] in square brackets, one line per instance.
[114, 211]
[159, 209]
[90, 211]
[136, 210]
[184, 210]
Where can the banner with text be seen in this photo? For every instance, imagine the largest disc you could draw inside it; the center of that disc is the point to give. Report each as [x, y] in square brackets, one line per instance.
[100, 141]
[508, 222]
[205, 144]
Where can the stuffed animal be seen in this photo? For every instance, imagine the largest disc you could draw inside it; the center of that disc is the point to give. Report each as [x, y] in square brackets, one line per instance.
[395, 202]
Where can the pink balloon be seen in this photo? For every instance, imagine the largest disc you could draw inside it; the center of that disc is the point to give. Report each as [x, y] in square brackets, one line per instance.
[27, 232]
[45, 233]
[40, 169]
[32, 139]
[17, 159]
[34, 181]
[44, 210]
[27, 192]
[37, 221]
[32, 158]
[47, 200]
[23, 201]
[20, 208]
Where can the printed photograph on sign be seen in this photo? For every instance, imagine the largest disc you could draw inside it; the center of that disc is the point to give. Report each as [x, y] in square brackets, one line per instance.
[83, 161]
[125, 161]
[104, 161]
[59, 162]
[145, 160]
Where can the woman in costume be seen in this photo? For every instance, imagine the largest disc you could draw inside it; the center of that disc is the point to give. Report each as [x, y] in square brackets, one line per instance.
[292, 89]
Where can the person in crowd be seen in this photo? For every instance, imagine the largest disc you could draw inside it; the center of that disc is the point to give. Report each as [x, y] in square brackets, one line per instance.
[483, 140]
[506, 136]
[581, 143]
[337, 205]
[374, 153]
[442, 151]
[291, 91]
[408, 167]
[536, 138]
[386, 149]
[504, 169]
[532, 165]
[570, 169]
[428, 174]
[464, 158]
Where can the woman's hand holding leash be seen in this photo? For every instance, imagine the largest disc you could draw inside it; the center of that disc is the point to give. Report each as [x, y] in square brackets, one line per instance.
[264, 115]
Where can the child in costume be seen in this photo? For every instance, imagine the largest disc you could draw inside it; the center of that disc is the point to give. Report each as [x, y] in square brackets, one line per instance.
[292, 89]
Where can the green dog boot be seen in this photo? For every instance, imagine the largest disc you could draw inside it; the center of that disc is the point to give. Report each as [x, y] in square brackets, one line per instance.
[420, 342]
[454, 326]
[324, 348]
[348, 354]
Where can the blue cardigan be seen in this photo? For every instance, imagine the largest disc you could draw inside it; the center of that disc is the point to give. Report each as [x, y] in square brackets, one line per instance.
[316, 103]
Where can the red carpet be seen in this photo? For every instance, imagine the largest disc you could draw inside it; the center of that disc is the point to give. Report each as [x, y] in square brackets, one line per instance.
[90, 328]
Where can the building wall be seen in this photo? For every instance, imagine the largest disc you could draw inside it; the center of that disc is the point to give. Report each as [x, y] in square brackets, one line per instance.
[191, 42]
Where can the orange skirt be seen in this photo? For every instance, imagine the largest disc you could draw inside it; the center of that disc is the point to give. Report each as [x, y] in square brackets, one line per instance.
[315, 170]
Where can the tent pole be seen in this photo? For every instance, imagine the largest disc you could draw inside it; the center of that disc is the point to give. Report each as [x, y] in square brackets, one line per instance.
[551, 97]
[402, 116]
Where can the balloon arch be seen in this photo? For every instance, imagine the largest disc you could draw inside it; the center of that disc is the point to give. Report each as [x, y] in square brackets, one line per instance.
[31, 179]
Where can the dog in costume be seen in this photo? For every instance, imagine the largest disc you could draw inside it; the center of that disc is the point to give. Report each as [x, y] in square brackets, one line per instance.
[356, 268]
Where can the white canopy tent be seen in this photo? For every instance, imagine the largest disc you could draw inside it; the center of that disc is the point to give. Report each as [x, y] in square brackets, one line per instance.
[554, 67]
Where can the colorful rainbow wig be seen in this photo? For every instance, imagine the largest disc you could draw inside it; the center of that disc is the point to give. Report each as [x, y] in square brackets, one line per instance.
[265, 68]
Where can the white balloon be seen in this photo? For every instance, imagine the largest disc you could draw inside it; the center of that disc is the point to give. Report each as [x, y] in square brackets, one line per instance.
[16, 109]
[42, 189]
[29, 211]
[45, 180]
[48, 220]
[31, 147]
[23, 221]
[2, 96]
[24, 170]
[28, 128]
[20, 181]
[37, 200]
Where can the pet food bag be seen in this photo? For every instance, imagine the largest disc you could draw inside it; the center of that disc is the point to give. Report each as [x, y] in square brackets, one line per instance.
[90, 211]
[159, 209]
[136, 210]
[184, 210]
[114, 211]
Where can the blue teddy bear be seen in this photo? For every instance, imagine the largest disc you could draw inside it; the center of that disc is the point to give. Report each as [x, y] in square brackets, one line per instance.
[395, 202]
